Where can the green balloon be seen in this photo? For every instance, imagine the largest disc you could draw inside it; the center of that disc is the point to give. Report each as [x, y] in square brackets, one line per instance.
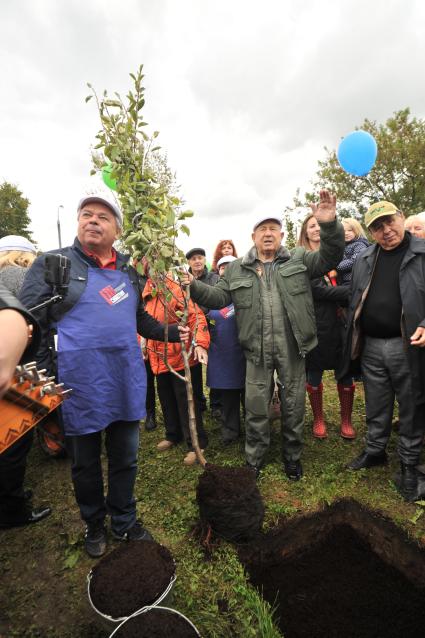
[106, 176]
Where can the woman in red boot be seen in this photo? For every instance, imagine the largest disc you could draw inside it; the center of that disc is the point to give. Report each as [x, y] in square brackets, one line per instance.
[328, 301]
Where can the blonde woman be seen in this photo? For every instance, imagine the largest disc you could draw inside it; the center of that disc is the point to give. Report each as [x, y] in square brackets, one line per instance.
[355, 243]
[16, 256]
[415, 224]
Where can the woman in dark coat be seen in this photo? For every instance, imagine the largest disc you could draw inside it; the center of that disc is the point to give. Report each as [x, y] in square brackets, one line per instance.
[226, 369]
[329, 298]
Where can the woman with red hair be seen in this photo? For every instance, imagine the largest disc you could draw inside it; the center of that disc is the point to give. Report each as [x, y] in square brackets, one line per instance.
[224, 248]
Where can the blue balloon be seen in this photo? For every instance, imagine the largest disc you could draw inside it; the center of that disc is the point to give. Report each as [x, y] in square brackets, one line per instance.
[357, 153]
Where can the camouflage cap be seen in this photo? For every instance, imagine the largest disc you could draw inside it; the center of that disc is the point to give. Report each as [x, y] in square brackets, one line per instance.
[379, 209]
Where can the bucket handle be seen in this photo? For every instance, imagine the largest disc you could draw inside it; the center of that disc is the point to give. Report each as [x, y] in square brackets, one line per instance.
[149, 608]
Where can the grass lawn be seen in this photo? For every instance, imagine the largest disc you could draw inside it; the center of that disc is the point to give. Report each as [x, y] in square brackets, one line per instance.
[43, 567]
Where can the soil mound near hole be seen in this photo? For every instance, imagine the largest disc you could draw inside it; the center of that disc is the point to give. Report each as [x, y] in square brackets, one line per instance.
[230, 503]
[340, 573]
[131, 577]
[157, 623]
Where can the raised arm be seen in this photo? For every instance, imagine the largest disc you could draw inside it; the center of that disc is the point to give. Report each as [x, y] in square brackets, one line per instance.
[332, 242]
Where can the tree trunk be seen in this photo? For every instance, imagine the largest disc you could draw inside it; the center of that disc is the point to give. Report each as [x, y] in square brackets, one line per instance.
[189, 390]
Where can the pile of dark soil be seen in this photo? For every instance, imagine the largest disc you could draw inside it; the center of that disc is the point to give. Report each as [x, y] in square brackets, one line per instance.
[335, 584]
[131, 577]
[230, 503]
[156, 623]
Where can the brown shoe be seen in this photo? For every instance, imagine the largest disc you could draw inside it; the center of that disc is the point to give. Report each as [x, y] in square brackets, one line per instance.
[190, 458]
[164, 445]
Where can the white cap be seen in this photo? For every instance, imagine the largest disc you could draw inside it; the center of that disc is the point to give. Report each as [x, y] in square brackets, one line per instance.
[96, 192]
[225, 260]
[16, 242]
[269, 218]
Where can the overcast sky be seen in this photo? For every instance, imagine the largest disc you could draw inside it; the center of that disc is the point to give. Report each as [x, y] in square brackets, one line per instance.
[245, 95]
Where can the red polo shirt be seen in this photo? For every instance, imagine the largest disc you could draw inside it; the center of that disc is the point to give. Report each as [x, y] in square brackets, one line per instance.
[111, 264]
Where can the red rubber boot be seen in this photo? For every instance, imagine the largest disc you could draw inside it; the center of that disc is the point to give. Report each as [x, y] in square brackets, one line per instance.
[316, 401]
[346, 397]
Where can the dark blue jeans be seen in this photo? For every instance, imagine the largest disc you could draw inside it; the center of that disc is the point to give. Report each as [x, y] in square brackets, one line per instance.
[122, 443]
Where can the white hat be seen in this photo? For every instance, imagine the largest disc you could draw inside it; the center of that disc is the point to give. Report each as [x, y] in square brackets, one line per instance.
[270, 218]
[96, 192]
[16, 242]
[225, 260]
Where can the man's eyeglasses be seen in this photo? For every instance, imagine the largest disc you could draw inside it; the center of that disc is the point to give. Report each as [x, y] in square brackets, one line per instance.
[387, 220]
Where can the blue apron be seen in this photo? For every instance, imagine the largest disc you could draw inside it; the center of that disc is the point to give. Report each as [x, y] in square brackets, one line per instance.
[99, 356]
[226, 361]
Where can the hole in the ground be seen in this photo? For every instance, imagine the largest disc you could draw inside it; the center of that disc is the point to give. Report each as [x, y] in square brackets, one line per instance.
[345, 572]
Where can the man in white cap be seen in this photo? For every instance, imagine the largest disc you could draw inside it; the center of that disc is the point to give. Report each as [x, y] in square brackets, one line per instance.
[270, 290]
[95, 328]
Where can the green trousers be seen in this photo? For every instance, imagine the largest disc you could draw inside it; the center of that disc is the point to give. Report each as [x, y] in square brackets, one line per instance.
[258, 393]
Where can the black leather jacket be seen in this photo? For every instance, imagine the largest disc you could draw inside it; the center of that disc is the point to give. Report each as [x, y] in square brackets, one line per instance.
[412, 290]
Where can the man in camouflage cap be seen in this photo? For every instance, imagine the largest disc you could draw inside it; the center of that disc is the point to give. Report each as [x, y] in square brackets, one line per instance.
[386, 332]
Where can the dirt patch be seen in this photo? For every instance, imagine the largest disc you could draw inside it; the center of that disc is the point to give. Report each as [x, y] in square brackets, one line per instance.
[345, 571]
[157, 623]
[230, 503]
[131, 577]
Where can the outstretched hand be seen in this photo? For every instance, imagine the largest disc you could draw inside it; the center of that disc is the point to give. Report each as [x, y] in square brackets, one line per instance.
[325, 210]
[185, 277]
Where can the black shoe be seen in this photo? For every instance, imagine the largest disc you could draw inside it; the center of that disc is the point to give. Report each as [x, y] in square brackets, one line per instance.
[365, 460]
[95, 539]
[135, 533]
[150, 422]
[408, 482]
[254, 468]
[293, 470]
[26, 518]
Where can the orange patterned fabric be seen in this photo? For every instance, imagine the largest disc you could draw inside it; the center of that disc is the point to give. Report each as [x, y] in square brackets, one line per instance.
[196, 322]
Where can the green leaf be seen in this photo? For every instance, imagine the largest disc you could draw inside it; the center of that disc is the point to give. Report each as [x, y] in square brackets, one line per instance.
[416, 516]
[72, 559]
[88, 98]
[185, 229]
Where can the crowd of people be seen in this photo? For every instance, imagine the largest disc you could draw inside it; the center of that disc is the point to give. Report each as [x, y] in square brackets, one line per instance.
[275, 317]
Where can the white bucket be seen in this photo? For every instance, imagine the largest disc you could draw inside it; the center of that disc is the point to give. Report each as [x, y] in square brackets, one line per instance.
[109, 622]
[146, 610]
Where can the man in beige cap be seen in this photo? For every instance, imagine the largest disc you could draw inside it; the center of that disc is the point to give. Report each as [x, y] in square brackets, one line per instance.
[270, 290]
[386, 332]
